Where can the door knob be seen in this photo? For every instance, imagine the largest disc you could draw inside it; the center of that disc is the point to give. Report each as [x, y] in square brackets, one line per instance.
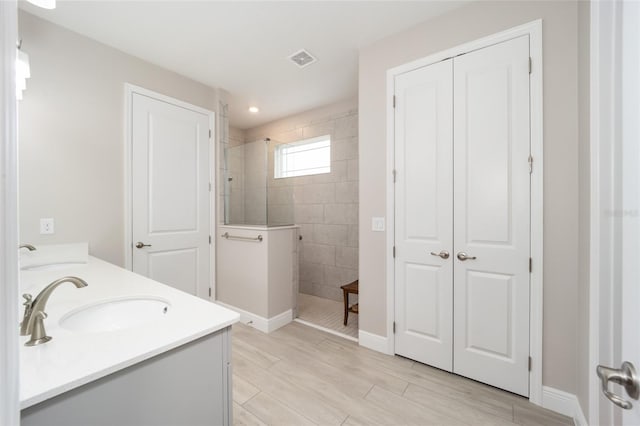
[625, 376]
[140, 244]
[463, 256]
[443, 254]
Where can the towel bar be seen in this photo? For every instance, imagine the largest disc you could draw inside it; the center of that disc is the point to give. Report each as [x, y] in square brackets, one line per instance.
[237, 237]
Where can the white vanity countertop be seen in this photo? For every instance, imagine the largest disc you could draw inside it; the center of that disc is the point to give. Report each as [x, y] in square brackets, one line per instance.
[72, 359]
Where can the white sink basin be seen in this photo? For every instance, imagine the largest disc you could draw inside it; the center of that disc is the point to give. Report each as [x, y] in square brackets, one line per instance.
[116, 314]
[51, 267]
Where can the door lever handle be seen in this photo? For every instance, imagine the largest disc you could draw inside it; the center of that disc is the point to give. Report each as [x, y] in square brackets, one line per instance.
[463, 256]
[140, 244]
[443, 254]
[625, 376]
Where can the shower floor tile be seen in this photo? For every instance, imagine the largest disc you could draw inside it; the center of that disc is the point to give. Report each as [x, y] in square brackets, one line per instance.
[326, 313]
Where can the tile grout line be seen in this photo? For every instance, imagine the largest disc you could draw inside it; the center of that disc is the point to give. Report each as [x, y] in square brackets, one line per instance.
[369, 391]
[345, 419]
[291, 408]
[247, 401]
[404, 390]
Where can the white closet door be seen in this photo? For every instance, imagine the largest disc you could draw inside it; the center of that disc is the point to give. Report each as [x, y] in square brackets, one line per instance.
[491, 199]
[170, 187]
[424, 215]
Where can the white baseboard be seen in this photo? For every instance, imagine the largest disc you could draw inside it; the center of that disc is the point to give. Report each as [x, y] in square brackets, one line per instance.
[266, 325]
[279, 320]
[564, 403]
[374, 342]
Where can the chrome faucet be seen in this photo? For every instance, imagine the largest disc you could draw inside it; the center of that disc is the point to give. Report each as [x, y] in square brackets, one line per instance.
[27, 246]
[34, 315]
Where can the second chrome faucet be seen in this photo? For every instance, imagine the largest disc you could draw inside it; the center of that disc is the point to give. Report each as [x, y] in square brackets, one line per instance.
[34, 314]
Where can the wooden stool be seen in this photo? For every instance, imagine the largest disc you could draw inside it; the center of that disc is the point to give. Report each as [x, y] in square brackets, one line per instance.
[351, 288]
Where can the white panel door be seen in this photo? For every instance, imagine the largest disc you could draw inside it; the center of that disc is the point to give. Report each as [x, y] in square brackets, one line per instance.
[615, 214]
[424, 215]
[170, 194]
[629, 202]
[491, 215]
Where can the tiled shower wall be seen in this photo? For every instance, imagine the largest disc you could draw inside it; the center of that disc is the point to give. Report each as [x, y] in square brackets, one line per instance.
[325, 206]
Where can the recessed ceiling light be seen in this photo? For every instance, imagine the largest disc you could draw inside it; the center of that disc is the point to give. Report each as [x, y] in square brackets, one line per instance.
[254, 109]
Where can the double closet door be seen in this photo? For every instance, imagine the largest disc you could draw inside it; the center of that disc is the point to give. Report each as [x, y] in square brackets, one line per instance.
[462, 215]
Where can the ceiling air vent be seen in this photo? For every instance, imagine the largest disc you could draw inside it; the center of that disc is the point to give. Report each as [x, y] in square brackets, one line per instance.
[302, 58]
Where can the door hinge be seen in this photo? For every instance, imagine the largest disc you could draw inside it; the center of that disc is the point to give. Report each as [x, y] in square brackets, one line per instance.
[394, 101]
[530, 160]
[530, 265]
[394, 327]
[394, 252]
[530, 363]
[394, 175]
[209, 133]
[209, 291]
[530, 65]
[209, 239]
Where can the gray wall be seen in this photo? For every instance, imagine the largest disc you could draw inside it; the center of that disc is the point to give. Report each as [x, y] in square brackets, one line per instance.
[582, 384]
[71, 134]
[325, 206]
[561, 144]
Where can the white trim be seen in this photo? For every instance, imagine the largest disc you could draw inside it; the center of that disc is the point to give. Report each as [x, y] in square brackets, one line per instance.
[9, 342]
[266, 325]
[534, 30]
[537, 214]
[325, 329]
[375, 342]
[391, 215]
[564, 403]
[213, 203]
[130, 89]
[604, 48]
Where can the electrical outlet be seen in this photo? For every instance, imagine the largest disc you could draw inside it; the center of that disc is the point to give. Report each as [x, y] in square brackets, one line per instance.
[377, 224]
[46, 225]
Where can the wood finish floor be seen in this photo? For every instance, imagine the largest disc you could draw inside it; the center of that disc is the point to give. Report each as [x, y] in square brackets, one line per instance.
[326, 313]
[298, 375]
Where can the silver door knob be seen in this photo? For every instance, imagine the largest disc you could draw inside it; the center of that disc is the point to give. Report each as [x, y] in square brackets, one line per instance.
[625, 376]
[463, 256]
[443, 254]
[140, 244]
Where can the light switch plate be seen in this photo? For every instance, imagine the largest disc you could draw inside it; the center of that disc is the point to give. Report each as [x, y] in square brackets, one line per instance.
[46, 225]
[377, 224]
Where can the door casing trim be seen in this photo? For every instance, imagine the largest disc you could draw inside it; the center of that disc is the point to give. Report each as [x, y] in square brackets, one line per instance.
[129, 90]
[534, 30]
[9, 220]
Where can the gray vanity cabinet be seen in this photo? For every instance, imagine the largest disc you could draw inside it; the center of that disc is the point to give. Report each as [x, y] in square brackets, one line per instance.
[188, 385]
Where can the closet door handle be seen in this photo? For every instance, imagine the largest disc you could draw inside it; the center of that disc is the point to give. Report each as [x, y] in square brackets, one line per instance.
[443, 254]
[462, 256]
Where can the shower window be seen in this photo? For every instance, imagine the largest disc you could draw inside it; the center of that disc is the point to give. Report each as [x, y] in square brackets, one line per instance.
[305, 157]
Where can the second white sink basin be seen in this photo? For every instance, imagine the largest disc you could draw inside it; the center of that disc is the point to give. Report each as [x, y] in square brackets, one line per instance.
[116, 314]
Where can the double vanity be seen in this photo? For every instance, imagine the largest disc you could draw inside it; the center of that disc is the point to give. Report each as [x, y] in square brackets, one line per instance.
[125, 350]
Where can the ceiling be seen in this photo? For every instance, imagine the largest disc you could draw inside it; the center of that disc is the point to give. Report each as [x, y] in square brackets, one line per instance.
[243, 46]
